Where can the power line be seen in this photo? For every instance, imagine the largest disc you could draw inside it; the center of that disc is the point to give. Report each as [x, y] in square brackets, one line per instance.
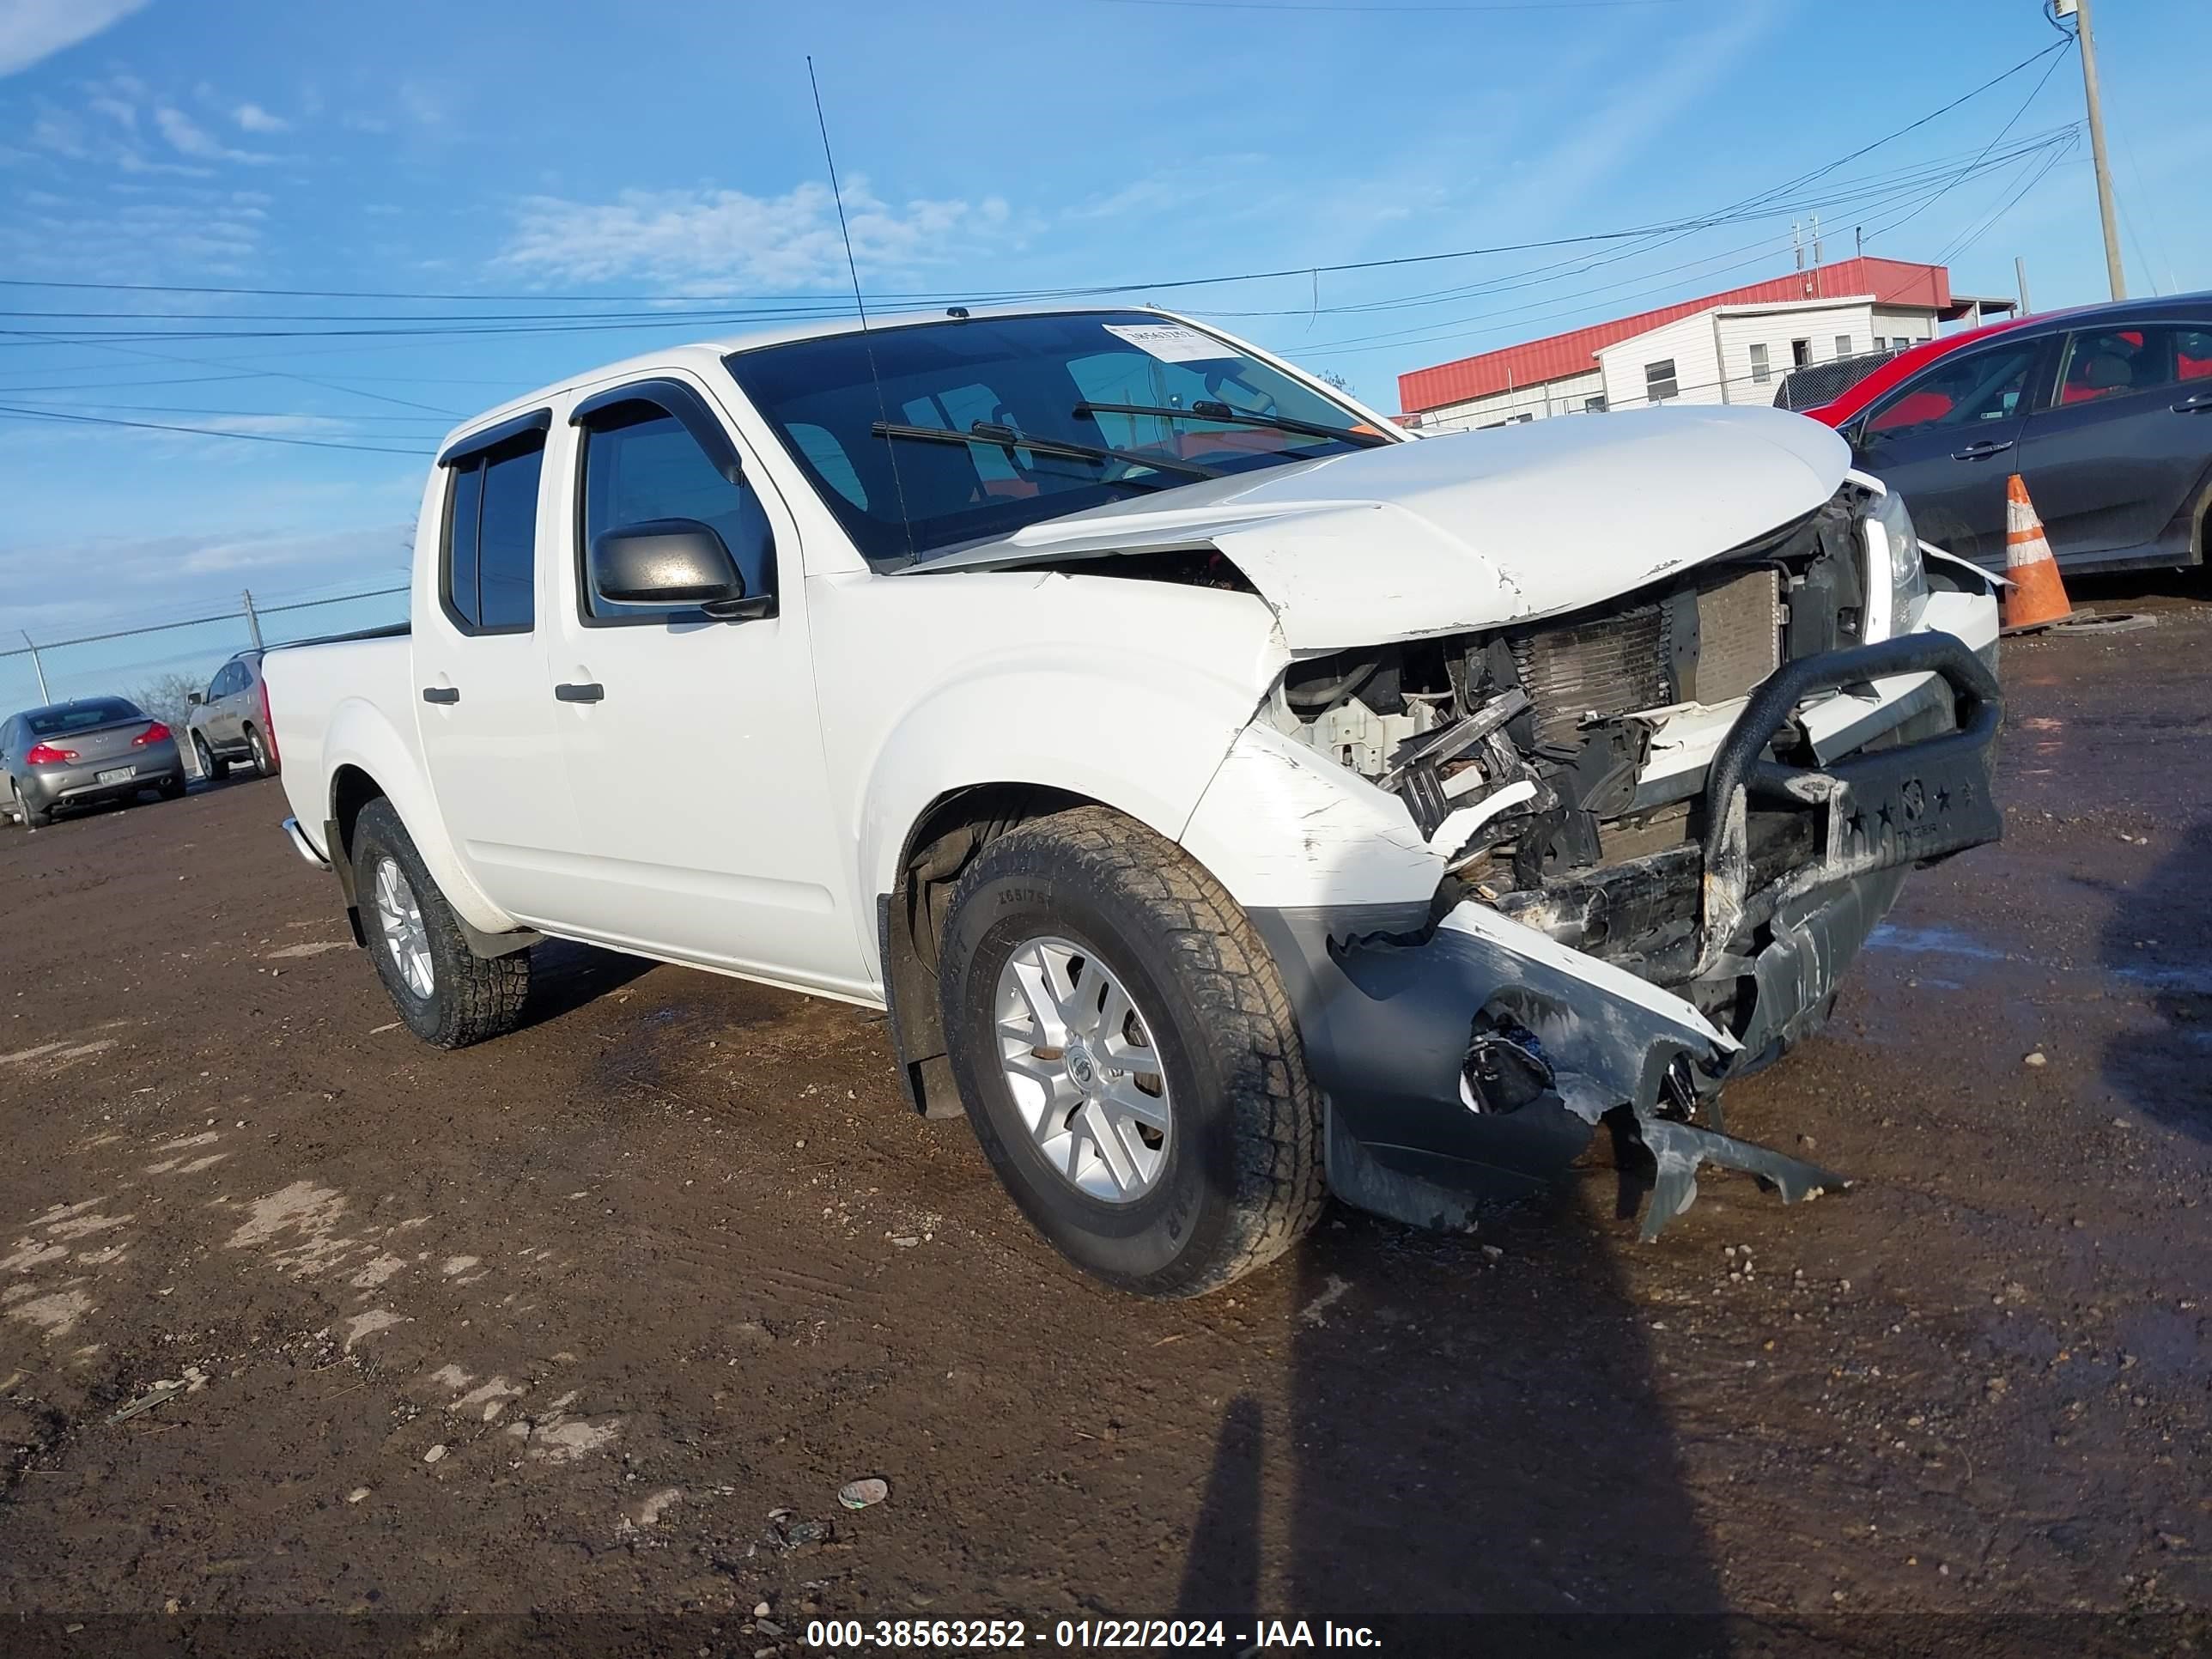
[1737, 210]
[23, 414]
[1384, 11]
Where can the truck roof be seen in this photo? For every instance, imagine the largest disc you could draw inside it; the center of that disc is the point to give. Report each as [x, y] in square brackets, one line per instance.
[705, 354]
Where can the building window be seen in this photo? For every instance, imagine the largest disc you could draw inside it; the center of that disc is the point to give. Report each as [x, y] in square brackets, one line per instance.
[1594, 405]
[1522, 419]
[1843, 345]
[1761, 371]
[1659, 383]
[1801, 354]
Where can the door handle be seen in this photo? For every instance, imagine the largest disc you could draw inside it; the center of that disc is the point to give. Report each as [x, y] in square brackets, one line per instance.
[1981, 452]
[441, 694]
[2194, 403]
[589, 691]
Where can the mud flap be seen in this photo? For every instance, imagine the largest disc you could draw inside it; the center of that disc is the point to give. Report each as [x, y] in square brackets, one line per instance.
[1677, 1149]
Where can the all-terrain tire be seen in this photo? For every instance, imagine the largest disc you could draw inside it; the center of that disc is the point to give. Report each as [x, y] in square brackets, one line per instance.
[471, 998]
[1243, 1179]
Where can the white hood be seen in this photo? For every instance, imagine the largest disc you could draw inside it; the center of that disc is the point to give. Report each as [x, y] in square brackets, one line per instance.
[1474, 529]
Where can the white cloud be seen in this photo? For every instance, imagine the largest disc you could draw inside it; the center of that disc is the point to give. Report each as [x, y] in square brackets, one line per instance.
[187, 137]
[33, 30]
[730, 240]
[252, 117]
[185, 575]
[151, 231]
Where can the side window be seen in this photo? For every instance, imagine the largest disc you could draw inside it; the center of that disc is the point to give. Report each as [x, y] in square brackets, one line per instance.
[2192, 354]
[640, 464]
[1962, 390]
[2112, 363]
[491, 539]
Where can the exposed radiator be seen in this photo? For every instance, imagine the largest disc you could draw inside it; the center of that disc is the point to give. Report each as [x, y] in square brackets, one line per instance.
[1739, 636]
[1606, 666]
[1708, 646]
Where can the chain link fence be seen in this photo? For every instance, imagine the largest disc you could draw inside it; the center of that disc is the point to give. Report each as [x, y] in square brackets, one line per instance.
[158, 664]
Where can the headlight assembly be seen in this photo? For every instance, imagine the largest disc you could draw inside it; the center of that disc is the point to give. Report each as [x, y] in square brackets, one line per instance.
[1908, 577]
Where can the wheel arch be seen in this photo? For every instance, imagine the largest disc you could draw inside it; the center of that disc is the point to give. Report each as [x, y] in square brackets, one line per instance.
[360, 740]
[909, 916]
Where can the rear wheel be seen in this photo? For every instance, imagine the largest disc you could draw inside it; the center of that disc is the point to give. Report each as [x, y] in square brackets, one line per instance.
[447, 994]
[1127, 1055]
[33, 818]
[262, 766]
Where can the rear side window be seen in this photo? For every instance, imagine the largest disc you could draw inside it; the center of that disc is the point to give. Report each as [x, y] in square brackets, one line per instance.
[491, 555]
[2113, 362]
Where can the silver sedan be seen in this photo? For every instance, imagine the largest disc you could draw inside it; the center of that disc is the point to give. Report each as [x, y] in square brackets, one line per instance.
[88, 749]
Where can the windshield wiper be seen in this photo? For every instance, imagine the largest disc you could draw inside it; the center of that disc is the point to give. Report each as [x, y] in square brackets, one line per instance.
[1011, 438]
[1206, 408]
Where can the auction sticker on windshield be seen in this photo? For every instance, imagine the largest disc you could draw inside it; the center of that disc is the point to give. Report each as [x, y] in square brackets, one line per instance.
[1171, 342]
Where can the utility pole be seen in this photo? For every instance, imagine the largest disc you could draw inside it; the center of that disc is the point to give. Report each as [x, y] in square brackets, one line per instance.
[2020, 275]
[252, 620]
[2090, 96]
[36, 667]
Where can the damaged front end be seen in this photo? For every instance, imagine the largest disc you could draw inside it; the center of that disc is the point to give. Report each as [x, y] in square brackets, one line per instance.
[1609, 946]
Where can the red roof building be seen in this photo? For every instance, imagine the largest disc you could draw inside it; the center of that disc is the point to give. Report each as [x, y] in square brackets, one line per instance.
[1737, 344]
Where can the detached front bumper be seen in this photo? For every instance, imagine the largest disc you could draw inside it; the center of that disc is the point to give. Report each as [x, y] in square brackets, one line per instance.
[1472, 1056]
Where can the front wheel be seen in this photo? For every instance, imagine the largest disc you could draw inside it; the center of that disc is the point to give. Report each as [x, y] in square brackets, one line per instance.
[447, 994]
[1127, 1055]
[210, 767]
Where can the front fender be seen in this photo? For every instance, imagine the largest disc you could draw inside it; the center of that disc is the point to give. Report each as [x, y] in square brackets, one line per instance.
[1139, 732]
[360, 735]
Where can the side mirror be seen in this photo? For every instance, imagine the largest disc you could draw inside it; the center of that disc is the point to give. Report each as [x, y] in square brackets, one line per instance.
[677, 562]
[194, 698]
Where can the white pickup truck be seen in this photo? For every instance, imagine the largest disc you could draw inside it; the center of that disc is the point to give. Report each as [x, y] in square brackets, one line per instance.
[1232, 798]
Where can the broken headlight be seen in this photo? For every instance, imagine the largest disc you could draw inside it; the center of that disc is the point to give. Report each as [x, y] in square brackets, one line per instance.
[1908, 577]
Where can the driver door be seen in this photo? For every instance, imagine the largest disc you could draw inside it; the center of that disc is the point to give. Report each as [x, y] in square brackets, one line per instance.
[1948, 439]
[693, 746]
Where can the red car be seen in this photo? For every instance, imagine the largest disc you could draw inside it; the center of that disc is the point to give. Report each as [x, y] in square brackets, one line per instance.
[2105, 411]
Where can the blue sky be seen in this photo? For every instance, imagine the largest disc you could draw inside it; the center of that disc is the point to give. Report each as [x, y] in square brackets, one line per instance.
[550, 152]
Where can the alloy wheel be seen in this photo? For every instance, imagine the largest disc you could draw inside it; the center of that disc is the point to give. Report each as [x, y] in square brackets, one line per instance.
[1079, 1062]
[399, 917]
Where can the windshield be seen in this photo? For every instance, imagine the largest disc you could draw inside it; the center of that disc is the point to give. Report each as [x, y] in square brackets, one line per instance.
[80, 716]
[904, 491]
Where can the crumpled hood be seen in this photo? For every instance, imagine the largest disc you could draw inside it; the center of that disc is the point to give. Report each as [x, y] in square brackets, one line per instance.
[1472, 530]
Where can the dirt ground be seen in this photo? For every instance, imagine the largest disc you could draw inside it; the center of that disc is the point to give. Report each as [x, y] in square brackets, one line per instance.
[566, 1343]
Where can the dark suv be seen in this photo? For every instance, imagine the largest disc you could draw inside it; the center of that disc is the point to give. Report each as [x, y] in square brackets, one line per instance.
[229, 721]
[2105, 412]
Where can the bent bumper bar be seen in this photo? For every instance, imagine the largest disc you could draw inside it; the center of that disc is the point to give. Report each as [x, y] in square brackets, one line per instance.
[1395, 1017]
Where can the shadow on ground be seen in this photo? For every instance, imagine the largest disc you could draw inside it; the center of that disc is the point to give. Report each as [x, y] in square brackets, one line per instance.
[1486, 1466]
[2159, 939]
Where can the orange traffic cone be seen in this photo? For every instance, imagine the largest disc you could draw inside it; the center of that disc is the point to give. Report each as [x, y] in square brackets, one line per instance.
[2036, 597]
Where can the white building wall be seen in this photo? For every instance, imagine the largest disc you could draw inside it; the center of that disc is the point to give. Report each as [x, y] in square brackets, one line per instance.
[1893, 325]
[1565, 395]
[1688, 342]
[1820, 326]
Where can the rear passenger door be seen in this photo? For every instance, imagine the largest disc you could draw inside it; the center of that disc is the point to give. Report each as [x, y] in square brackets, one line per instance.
[484, 715]
[2126, 440]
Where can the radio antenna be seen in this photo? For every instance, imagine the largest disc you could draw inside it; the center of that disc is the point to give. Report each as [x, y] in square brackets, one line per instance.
[859, 304]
